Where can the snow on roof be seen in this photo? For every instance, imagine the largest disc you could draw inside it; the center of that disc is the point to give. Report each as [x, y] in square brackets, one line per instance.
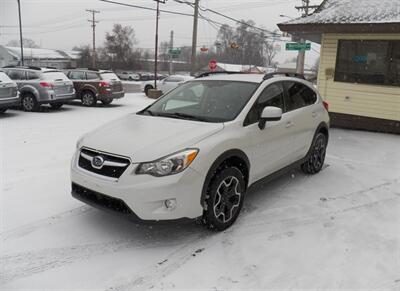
[37, 53]
[354, 12]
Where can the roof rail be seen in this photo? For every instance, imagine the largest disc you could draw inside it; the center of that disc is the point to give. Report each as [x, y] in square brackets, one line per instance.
[206, 74]
[286, 74]
[24, 67]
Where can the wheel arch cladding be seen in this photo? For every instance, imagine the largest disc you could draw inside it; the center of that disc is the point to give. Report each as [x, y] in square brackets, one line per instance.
[91, 89]
[323, 128]
[234, 157]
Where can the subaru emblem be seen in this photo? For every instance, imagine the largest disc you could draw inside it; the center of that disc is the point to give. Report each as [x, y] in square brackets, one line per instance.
[97, 162]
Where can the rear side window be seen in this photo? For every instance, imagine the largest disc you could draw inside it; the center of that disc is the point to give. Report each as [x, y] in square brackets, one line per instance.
[77, 75]
[109, 76]
[271, 96]
[16, 74]
[92, 76]
[54, 76]
[298, 95]
[32, 76]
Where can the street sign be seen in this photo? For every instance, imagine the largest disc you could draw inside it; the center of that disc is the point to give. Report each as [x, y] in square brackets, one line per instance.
[212, 65]
[297, 46]
[174, 51]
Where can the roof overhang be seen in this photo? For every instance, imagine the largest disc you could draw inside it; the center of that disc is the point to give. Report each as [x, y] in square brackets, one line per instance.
[320, 28]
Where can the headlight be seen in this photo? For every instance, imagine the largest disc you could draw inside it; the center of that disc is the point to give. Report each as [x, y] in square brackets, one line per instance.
[169, 165]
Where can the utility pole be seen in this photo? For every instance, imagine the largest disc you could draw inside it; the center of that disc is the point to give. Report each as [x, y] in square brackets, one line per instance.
[194, 37]
[302, 53]
[20, 33]
[93, 21]
[171, 46]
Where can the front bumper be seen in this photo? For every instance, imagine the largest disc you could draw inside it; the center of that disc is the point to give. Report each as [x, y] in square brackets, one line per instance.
[10, 102]
[141, 196]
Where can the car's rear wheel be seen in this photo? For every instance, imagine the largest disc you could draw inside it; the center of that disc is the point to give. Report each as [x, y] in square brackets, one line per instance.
[56, 106]
[88, 98]
[316, 156]
[29, 103]
[2, 110]
[224, 198]
[107, 101]
[147, 89]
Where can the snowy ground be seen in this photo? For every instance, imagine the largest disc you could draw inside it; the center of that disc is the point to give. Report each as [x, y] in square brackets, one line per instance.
[339, 229]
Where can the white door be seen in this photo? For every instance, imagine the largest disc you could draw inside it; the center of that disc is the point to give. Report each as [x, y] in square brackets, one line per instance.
[270, 147]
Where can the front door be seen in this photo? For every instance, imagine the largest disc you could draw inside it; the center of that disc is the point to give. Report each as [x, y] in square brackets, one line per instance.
[270, 147]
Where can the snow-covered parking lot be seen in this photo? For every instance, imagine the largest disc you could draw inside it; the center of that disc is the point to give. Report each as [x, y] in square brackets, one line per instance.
[339, 229]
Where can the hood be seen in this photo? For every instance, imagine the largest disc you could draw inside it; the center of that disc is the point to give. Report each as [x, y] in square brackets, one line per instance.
[146, 138]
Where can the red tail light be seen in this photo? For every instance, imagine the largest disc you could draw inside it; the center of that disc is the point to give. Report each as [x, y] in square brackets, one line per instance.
[46, 85]
[326, 105]
[104, 84]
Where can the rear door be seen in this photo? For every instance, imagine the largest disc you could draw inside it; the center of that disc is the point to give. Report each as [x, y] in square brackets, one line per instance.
[301, 109]
[78, 78]
[270, 147]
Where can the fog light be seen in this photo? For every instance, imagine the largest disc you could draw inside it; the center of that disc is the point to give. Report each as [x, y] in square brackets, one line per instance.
[170, 204]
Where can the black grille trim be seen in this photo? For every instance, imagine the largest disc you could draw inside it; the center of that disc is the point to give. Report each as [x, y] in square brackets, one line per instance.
[99, 200]
[107, 171]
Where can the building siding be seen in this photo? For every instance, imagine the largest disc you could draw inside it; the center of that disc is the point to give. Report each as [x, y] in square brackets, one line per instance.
[356, 99]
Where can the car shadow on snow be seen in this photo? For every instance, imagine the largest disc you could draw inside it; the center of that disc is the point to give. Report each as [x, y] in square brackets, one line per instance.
[79, 104]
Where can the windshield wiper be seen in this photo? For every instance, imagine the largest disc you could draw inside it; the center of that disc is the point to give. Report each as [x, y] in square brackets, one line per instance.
[182, 116]
[149, 112]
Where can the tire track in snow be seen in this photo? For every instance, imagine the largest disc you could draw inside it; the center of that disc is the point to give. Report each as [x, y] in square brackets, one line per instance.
[31, 227]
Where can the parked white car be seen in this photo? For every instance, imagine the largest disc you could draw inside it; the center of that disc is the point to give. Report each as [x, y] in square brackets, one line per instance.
[195, 151]
[166, 84]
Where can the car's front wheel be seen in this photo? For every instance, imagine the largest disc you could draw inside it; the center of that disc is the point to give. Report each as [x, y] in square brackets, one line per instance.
[316, 156]
[224, 198]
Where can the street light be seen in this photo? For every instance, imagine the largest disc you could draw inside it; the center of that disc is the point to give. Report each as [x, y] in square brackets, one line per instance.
[20, 33]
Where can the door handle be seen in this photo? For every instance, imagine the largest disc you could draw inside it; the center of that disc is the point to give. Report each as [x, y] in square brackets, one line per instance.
[289, 124]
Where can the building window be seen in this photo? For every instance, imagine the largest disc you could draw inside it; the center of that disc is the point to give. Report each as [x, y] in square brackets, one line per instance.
[368, 62]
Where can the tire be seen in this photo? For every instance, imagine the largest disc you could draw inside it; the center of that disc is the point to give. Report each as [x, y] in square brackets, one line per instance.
[316, 156]
[107, 101]
[3, 110]
[147, 88]
[29, 103]
[224, 200]
[56, 106]
[88, 98]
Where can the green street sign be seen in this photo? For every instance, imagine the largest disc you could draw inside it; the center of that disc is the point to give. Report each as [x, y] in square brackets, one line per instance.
[174, 51]
[297, 46]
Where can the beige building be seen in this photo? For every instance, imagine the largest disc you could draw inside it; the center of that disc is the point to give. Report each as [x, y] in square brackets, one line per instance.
[359, 71]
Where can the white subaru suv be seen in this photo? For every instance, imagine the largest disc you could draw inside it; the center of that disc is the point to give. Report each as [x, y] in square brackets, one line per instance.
[196, 151]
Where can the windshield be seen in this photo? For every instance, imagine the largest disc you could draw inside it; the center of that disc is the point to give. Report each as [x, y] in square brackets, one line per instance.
[109, 76]
[210, 101]
[54, 76]
[4, 77]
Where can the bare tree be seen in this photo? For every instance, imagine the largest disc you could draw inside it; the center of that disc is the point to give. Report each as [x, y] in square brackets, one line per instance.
[27, 42]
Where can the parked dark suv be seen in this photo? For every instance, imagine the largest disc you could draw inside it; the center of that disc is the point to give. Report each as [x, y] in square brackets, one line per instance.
[94, 85]
[41, 86]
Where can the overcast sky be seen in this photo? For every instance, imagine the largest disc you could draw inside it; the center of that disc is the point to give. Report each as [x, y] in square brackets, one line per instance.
[62, 24]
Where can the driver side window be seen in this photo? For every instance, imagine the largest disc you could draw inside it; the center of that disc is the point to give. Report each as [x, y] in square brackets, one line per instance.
[271, 96]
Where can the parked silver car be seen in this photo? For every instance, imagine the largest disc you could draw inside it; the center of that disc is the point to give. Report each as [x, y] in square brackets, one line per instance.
[41, 86]
[9, 95]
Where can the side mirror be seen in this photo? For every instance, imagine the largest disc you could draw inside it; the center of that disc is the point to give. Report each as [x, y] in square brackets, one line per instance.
[270, 113]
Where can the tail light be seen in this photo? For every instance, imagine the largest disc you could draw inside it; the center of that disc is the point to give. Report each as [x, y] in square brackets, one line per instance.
[46, 85]
[326, 105]
[104, 84]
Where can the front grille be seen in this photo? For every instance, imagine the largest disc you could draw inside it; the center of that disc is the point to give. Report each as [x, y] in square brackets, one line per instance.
[100, 200]
[113, 166]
